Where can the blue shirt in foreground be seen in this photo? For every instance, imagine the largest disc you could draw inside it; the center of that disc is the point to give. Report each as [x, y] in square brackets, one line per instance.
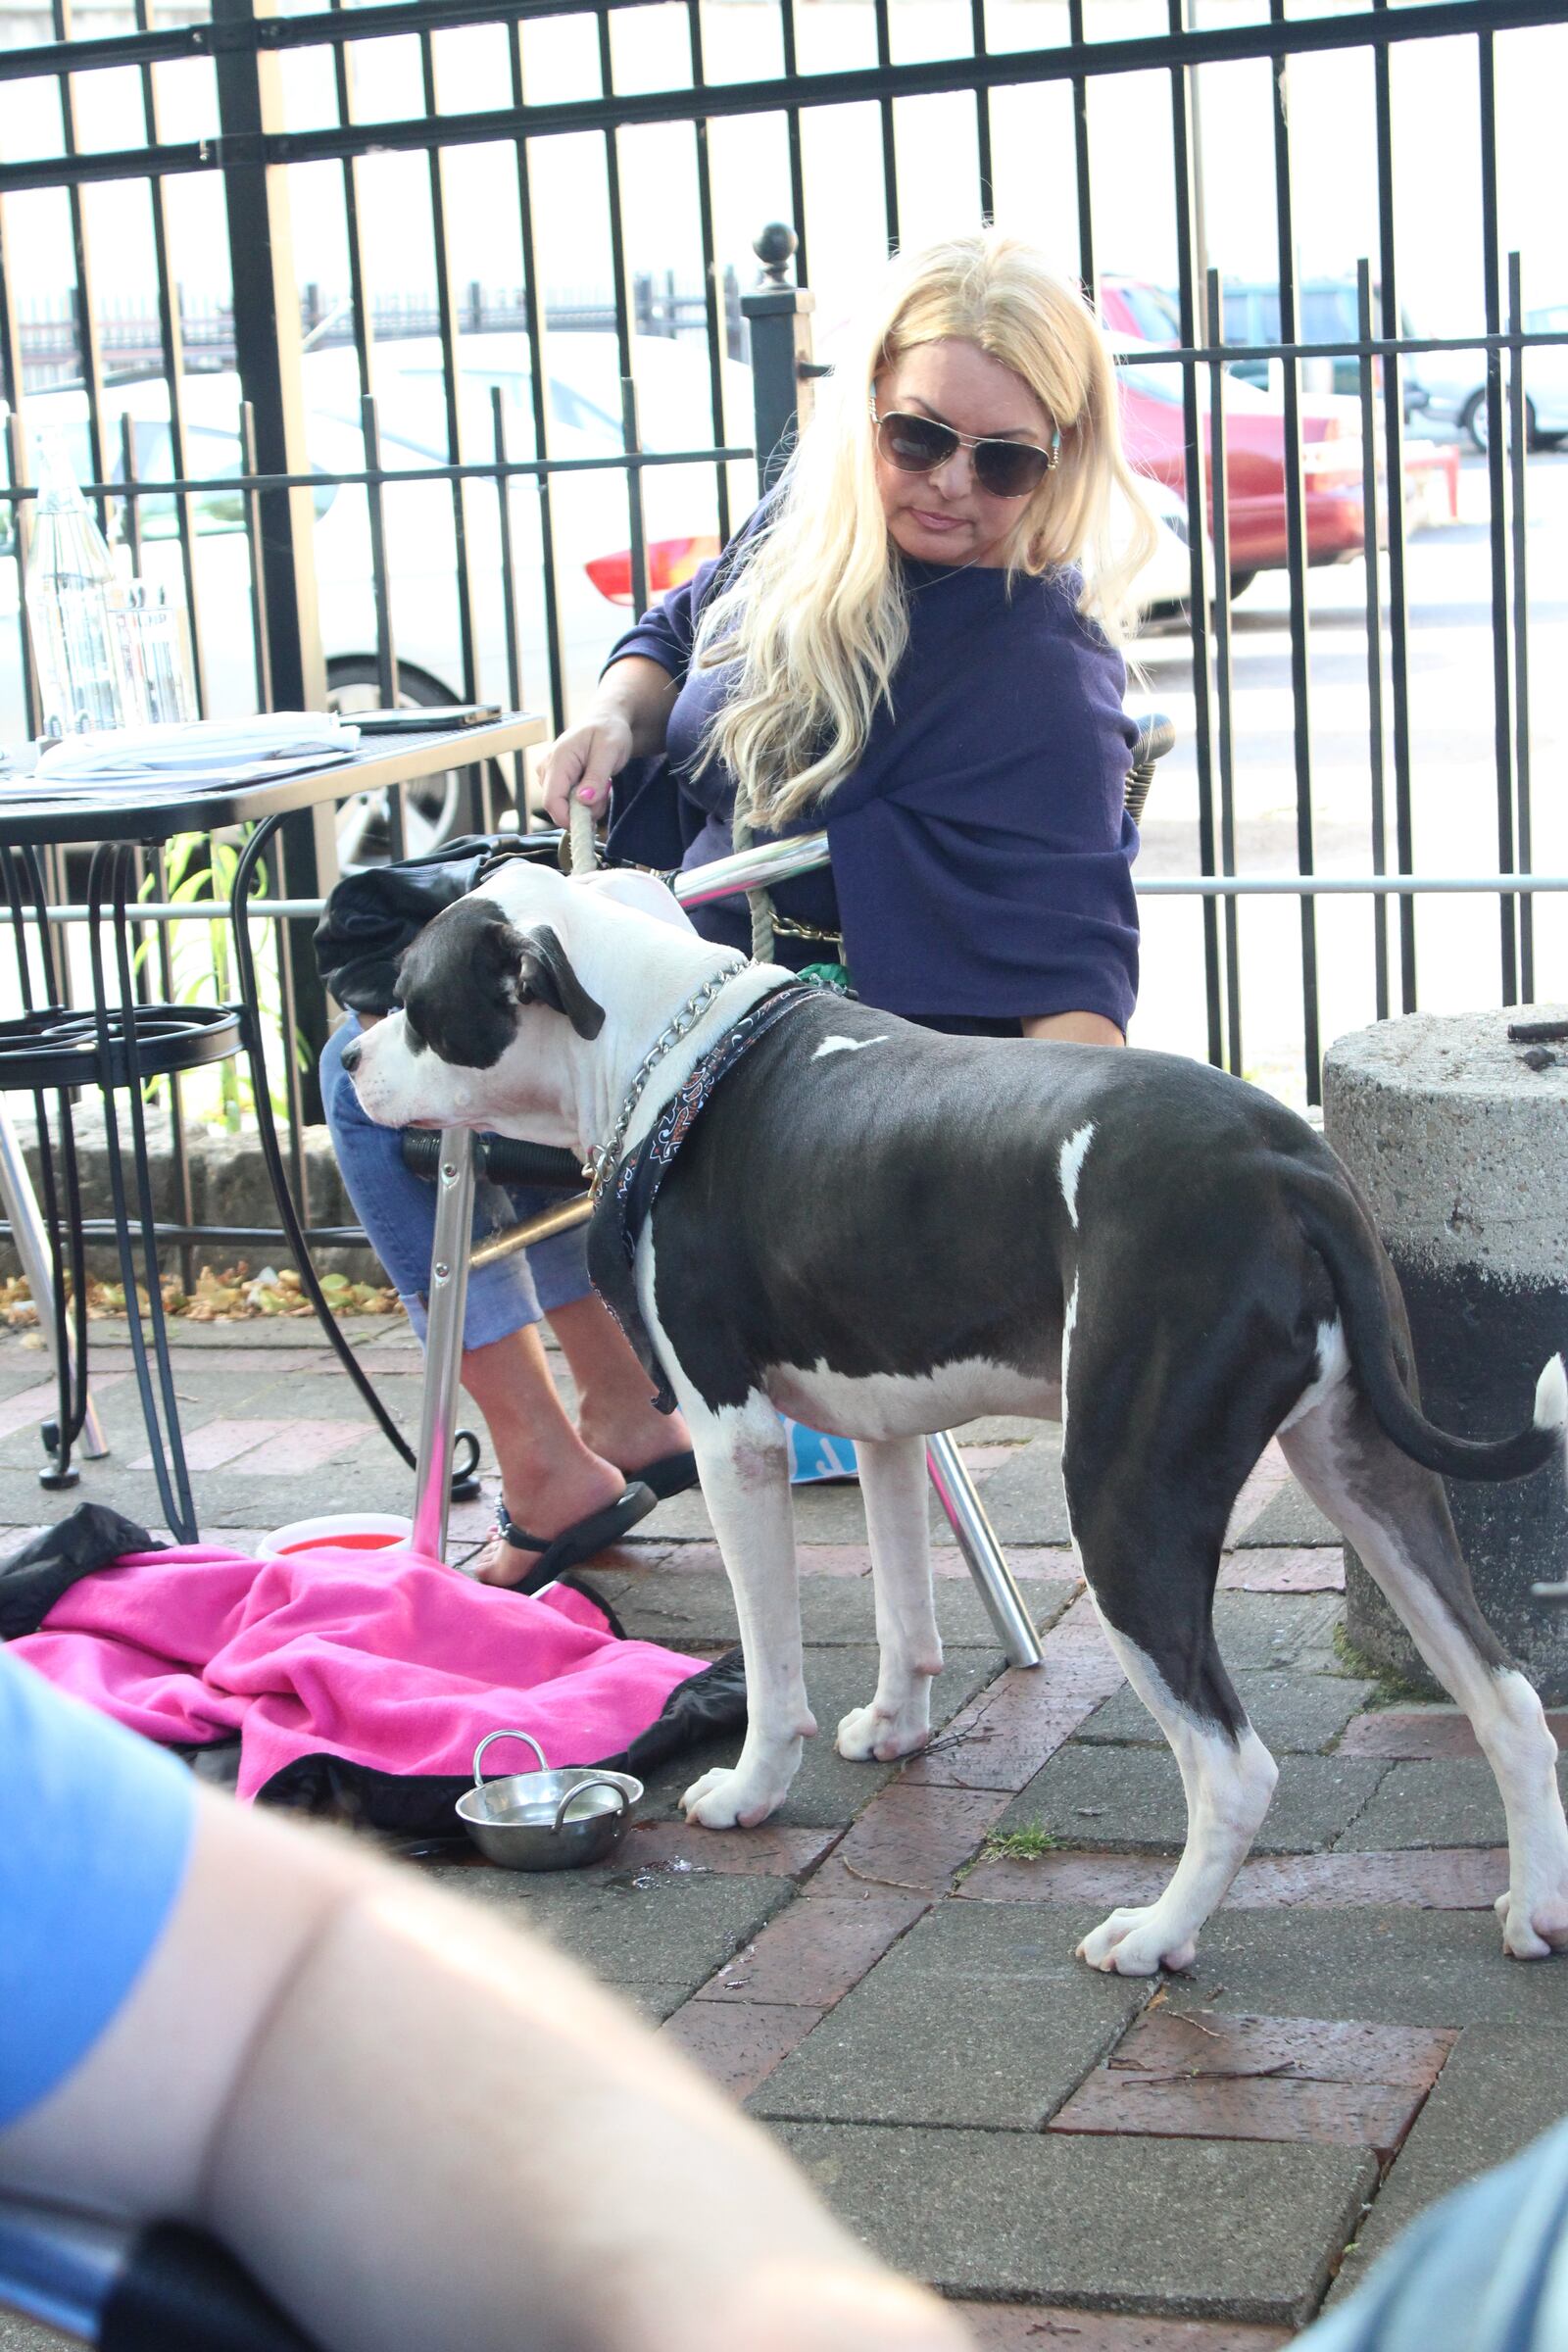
[1484, 2271]
[95, 1831]
[981, 851]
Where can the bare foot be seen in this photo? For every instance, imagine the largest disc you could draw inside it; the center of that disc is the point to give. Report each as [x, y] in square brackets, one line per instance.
[552, 1503]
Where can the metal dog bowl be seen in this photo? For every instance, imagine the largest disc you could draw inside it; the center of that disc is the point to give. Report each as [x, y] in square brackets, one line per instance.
[547, 1820]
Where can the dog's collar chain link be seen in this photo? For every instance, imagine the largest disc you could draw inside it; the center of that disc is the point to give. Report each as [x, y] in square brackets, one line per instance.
[604, 1156]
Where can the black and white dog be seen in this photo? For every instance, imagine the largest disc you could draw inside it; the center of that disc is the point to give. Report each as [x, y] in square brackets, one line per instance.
[885, 1232]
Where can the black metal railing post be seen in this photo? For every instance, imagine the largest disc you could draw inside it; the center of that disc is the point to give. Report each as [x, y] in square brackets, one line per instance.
[266, 356]
[779, 315]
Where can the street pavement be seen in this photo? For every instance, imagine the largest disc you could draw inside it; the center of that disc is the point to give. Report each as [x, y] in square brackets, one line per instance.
[884, 1975]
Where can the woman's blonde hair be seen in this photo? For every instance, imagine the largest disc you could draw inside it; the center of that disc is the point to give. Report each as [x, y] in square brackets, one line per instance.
[816, 615]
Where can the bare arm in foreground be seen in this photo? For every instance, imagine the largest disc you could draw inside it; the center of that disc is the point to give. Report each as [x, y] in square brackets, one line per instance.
[419, 2127]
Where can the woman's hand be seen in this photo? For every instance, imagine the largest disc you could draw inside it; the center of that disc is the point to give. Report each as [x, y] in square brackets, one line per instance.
[584, 759]
[627, 722]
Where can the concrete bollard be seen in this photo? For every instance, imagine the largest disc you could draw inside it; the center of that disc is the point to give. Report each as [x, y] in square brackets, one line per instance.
[1459, 1138]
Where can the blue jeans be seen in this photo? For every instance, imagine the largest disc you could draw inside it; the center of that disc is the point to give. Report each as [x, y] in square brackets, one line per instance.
[396, 1209]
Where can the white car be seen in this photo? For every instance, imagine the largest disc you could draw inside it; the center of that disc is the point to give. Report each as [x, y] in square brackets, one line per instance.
[589, 508]
[1456, 383]
[1165, 583]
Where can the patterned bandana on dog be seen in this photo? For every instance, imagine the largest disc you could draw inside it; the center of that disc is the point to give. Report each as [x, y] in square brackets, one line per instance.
[628, 1199]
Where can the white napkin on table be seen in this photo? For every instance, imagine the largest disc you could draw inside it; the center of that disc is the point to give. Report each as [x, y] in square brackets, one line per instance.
[215, 746]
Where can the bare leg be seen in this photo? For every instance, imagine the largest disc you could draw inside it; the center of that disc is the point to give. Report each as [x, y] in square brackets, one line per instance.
[1396, 1515]
[616, 1411]
[548, 1478]
[551, 1476]
[745, 1484]
[897, 1720]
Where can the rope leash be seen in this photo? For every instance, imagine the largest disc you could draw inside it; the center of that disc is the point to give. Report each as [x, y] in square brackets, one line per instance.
[759, 902]
[583, 847]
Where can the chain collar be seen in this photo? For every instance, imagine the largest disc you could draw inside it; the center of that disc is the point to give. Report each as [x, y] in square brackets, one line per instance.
[604, 1156]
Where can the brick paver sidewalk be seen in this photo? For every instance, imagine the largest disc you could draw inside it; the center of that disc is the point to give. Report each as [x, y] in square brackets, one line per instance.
[885, 1974]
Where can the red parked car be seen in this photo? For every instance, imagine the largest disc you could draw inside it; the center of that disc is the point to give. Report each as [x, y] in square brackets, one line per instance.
[1138, 314]
[1136, 308]
[1334, 509]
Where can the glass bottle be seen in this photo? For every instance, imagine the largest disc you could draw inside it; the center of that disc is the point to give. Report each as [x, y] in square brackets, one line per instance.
[72, 591]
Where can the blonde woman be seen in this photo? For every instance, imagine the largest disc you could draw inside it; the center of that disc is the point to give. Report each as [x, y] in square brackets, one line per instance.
[915, 644]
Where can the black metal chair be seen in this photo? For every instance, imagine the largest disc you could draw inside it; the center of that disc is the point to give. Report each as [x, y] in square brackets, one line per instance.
[53, 1050]
[510, 1162]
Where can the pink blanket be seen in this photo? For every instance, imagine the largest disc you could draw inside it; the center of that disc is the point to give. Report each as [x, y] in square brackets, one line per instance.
[380, 1658]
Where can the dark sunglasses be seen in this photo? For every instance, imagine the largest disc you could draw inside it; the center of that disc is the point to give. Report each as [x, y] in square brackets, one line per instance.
[1003, 469]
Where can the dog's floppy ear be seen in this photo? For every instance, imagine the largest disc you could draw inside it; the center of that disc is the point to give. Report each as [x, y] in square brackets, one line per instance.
[545, 976]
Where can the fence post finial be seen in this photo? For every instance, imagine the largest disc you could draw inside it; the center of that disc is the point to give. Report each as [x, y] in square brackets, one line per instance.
[780, 316]
[775, 248]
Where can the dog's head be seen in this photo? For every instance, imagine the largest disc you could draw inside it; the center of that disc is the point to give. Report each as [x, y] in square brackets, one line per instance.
[464, 981]
[492, 1004]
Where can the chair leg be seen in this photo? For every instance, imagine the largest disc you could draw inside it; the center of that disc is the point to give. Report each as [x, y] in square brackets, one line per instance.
[442, 1347]
[983, 1555]
[33, 1248]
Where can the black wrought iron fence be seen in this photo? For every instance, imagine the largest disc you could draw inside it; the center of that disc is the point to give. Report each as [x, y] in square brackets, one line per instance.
[129, 333]
[499, 447]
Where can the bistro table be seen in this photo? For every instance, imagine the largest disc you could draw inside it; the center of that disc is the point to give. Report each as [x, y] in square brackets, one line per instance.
[117, 827]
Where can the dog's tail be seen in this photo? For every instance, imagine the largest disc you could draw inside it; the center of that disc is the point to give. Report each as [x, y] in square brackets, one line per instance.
[1338, 1228]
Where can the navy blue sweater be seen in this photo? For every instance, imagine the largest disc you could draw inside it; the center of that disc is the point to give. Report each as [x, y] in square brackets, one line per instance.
[981, 850]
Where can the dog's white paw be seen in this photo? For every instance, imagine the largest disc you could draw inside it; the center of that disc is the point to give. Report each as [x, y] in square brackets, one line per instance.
[725, 1799]
[1137, 1944]
[1535, 1926]
[881, 1734]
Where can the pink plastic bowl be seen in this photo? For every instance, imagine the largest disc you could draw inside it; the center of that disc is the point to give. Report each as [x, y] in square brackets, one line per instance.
[346, 1531]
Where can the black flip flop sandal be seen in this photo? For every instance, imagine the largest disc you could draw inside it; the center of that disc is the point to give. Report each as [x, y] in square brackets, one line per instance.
[558, 1554]
[671, 1474]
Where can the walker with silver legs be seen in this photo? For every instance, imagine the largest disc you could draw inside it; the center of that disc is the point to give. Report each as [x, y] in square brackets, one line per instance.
[154, 2287]
[450, 1257]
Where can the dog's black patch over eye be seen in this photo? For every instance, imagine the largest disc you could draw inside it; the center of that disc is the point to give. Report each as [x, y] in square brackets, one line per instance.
[465, 977]
[410, 1036]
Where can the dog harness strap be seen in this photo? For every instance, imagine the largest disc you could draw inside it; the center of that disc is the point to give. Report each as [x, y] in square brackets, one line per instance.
[626, 1200]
